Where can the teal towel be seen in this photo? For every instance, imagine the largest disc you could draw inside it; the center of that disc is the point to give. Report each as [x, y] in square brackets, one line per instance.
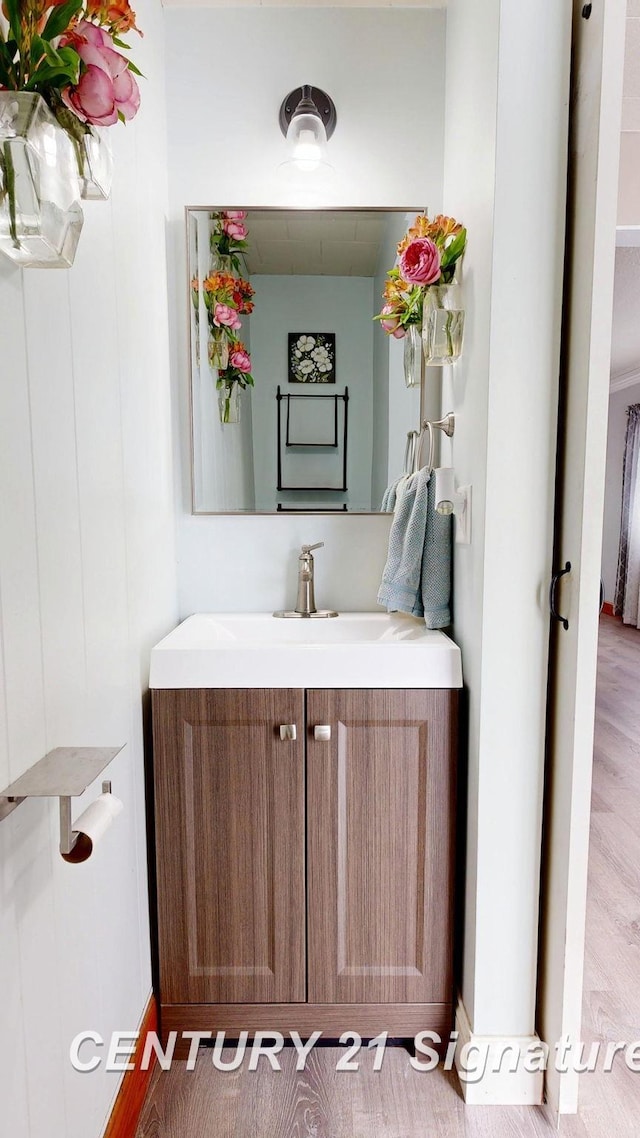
[390, 496]
[417, 576]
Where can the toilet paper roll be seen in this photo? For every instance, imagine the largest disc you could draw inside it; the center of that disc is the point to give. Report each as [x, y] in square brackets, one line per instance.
[91, 825]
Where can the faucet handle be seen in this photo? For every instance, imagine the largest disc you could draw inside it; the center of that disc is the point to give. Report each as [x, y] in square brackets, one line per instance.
[308, 548]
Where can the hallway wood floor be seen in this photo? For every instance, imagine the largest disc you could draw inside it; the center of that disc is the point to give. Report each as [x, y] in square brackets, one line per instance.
[398, 1102]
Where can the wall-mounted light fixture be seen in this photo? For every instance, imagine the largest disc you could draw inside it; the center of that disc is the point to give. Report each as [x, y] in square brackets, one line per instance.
[307, 119]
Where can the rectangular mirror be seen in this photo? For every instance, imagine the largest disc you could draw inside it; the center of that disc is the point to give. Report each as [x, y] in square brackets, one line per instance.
[323, 428]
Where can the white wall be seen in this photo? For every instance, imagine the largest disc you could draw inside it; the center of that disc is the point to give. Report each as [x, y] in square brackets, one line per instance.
[344, 306]
[625, 335]
[87, 584]
[629, 181]
[616, 432]
[504, 170]
[625, 369]
[381, 159]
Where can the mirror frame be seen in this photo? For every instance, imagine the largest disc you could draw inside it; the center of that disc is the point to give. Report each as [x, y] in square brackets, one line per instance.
[301, 513]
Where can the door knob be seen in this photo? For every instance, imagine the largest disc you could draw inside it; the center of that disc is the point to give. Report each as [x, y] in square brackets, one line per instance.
[288, 731]
[322, 733]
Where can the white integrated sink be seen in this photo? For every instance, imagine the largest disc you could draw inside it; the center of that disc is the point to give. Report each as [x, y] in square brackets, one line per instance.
[356, 650]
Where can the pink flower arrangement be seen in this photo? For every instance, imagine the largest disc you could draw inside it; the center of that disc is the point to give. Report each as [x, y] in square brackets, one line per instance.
[234, 229]
[420, 263]
[226, 316]
[227, 297]
[427, 255]
[240, 360]
[107, 90]
[390, 321]
[238, 369]
[229, 237]
[65, 51]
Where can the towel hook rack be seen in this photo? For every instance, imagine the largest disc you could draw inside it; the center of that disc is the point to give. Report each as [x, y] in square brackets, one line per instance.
[447, 425]
[410, 452]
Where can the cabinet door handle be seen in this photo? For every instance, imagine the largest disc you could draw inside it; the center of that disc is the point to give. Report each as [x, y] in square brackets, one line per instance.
[288, 731]
[322, 733]
[552, 595]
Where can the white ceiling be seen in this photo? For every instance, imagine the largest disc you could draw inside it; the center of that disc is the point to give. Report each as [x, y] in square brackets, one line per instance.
[315, 243]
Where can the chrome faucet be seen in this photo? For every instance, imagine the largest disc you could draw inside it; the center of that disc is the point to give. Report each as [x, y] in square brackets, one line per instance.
[306, 602]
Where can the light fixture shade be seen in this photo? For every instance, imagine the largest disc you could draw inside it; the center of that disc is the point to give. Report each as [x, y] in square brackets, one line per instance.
[307, 119]
[307, 141]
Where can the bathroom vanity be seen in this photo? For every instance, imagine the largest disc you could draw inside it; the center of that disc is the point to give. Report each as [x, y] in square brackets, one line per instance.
[305, 829]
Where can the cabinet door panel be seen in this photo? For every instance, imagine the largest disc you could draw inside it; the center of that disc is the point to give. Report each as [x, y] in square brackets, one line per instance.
[380, 800]
[230, 845]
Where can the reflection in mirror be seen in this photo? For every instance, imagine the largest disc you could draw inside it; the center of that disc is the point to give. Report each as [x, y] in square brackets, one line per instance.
[316, 415]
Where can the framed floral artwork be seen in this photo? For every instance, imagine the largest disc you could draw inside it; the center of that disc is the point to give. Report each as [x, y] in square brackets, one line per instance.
[312, 357]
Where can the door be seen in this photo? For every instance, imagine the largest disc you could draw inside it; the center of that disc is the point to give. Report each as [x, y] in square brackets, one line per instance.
[230, 845]
[380, 832]
[598, 51]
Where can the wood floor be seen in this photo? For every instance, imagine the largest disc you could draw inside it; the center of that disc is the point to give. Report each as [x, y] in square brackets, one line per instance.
[398, 1102]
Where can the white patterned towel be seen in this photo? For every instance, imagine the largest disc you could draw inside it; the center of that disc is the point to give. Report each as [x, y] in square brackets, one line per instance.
[417, 576]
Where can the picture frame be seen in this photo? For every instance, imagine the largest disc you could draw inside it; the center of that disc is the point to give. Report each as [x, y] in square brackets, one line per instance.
[311, 357]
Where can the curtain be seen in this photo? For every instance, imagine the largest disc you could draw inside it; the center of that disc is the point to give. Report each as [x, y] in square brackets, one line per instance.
[627, 603]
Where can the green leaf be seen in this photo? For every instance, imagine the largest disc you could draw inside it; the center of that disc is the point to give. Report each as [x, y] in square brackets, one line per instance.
[455, 249]
[47, 49]
[132, 67]
[60, 18]
[48, 77]
[6, 65]
[59, 74]
[70, 56]
[121, 43]
[13, 12]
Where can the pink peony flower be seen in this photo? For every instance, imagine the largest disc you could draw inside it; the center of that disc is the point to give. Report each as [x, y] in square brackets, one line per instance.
[224, 315]
[240, 360]
[235, 214]
[235, 229]
[85, 30]
[392, 326]
[106, 88]
[420, 262]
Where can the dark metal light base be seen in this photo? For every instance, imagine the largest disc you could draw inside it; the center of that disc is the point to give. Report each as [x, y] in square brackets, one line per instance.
[324, 103]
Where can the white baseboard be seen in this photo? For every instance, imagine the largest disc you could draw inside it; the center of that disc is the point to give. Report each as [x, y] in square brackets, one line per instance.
[485, 1066]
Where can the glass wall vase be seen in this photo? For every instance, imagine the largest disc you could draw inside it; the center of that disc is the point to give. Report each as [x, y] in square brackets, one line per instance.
[95, 160]
[218, 349]
[229, 402]
[442, 324]
[40, 213]
[413, 356]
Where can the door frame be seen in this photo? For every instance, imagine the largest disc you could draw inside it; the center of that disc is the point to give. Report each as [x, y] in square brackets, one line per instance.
[596, 101]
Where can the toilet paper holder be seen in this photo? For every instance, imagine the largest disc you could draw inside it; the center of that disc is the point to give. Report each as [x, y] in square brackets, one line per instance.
[63, 773]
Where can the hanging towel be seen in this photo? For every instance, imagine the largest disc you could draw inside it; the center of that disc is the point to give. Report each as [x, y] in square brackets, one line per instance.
[393, 494]
[417, 576]
[389, 496]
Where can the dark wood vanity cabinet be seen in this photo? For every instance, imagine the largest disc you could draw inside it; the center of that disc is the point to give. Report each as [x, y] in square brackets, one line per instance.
[305, 883]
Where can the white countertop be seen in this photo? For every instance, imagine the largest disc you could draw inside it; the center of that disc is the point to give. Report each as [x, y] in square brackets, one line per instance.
[258, 650]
